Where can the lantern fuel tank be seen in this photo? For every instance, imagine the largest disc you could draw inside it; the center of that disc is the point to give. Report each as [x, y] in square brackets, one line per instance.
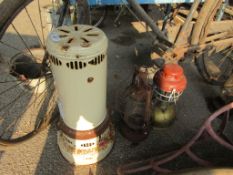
[169, 84]
[78, 58]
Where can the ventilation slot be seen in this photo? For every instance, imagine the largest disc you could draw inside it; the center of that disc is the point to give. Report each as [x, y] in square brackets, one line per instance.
[87, 144]
[80, 65]
[63, 36]
[70, 40]
[87, 30]
[85, 40]
[55, 61]
[72, 65]
[97, 60]
[85, 43]
[92, 34]
[65, 31]
[76, 28]
[76, 65]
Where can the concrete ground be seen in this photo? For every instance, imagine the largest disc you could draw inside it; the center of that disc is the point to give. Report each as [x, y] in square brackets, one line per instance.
[127, 48]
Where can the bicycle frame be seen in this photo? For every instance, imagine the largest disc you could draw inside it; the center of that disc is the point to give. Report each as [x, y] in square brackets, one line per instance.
[196, 36]
[119, 2]
[195, 33]
[187, 34]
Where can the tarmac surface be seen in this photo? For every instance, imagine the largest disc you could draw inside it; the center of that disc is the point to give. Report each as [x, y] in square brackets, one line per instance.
[127, 48]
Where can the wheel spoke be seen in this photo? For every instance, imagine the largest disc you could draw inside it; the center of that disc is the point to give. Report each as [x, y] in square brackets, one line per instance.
[13, 101]
[222, 60]
[12, 87]
[41, 25]
[52, 12]
[22, 94]
[16, 120]
[34, 27]
[13, 47]
[20, 51]
[36, 93]
[8, 127]
[24, 63]
[48, 86]
[9, 81]
[27, 90]
[42, 99]
[21, 38]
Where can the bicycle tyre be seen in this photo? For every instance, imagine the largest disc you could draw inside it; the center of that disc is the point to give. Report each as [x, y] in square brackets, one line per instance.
[10, 10]
[101, 18]
[225, 68]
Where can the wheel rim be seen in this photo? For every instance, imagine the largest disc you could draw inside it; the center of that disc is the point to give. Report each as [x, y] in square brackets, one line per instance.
[215, 67]
[27, 93]
[97, 15]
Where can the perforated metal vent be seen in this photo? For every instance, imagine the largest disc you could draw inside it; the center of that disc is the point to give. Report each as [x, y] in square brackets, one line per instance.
[55, 60]
[76, 65]
[84, 40]
[77, 42]
[97, 60]
[81, 52]
[80, 64]
[87, 144]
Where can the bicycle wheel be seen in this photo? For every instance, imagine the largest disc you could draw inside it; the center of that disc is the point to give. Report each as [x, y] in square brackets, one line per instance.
[214, 64]
[97, 15]
[27, 93]
[215, 68]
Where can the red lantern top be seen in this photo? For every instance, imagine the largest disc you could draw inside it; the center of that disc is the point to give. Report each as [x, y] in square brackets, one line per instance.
[171, 77]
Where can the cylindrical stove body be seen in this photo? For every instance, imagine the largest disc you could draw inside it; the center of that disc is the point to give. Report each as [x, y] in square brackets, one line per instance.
[78, 61]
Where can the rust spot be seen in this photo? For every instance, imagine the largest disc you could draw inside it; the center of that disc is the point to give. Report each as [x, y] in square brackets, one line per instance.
[90, 79]
[65, 48]
[87, 134]
[77, 56]
[85, 44]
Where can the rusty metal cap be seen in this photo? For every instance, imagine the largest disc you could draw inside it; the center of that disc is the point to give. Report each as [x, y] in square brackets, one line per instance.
[171, 77]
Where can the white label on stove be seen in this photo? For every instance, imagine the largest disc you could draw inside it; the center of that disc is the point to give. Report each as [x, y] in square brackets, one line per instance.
[55, 37]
